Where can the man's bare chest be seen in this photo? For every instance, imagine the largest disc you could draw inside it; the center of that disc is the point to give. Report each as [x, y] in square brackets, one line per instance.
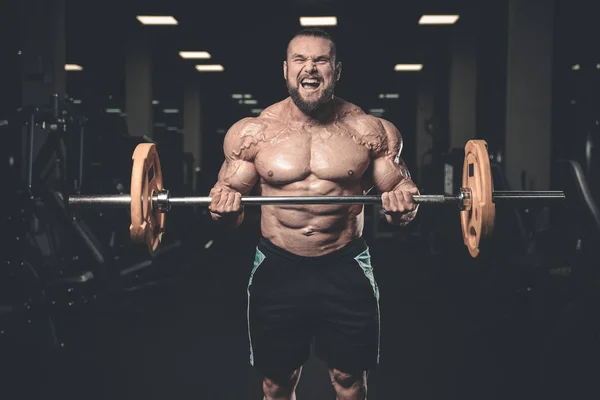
[331, 153]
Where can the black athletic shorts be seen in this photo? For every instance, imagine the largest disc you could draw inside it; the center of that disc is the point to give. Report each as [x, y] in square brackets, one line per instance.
[330, 302]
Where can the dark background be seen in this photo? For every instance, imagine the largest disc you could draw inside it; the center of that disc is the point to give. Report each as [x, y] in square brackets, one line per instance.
[518, 322]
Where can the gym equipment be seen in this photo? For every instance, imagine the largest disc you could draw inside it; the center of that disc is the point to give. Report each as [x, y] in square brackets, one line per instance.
[476, 199]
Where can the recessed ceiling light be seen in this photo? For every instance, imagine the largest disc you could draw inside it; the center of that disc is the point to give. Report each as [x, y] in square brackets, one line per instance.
[408, 67]
[157, 20]
[198, 55]
[210, 68]
[318, 21]
[438, 19]
[73, 67]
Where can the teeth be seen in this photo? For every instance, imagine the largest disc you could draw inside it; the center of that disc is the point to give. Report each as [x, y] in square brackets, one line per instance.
[310, 81]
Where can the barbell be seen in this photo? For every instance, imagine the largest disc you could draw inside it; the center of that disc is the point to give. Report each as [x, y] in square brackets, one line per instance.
[149, 201]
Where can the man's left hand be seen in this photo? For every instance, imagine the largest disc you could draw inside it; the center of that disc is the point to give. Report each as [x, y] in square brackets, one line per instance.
[400, 200]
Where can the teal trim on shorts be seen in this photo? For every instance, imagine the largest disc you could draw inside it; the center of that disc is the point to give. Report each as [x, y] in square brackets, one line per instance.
[259, 257]
[364, 261]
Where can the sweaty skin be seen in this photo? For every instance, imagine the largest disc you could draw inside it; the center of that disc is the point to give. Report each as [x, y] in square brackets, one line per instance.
[348, 153]
[313, 143]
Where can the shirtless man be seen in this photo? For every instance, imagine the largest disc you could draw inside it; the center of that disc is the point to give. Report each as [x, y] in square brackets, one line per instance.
[312, 278]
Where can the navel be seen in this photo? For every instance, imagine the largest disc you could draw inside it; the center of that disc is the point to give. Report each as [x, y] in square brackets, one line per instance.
[270, 173]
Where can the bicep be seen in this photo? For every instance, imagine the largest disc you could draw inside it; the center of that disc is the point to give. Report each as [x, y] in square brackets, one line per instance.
[389, 170]
[389, 173]
[238, 171]
[239, 175]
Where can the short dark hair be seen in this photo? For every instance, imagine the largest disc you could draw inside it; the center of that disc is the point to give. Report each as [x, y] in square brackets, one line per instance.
[315, 32]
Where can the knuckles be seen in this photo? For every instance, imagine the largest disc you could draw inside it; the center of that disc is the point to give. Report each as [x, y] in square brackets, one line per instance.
[400, 200]
[224, 201]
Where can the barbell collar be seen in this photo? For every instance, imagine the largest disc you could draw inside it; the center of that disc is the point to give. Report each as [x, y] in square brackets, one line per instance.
[161, 201]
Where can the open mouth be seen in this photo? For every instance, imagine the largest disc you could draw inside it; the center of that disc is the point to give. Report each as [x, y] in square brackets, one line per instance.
[310, 84]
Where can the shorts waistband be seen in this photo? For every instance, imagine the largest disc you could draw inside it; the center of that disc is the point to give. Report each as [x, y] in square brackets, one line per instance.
[350, 250]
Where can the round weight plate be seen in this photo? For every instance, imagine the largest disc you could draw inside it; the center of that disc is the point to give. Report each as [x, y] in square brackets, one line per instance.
[147, 222]
[478, 222]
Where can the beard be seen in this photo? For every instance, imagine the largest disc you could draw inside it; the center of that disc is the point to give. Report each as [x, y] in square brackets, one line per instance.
[311, 107]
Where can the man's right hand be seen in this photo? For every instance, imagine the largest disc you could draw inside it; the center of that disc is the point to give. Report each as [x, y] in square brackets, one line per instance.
[225, 202]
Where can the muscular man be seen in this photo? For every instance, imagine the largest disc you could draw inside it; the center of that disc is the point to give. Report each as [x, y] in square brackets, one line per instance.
[312, 283]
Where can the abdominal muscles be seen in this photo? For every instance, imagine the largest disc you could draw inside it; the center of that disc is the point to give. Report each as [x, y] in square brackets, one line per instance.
[312, 229]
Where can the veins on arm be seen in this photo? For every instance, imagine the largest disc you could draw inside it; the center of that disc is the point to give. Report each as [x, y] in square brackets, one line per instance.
[389, 170]
[238, 171]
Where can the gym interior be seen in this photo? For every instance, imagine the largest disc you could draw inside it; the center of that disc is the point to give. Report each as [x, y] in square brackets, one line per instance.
[88, 313]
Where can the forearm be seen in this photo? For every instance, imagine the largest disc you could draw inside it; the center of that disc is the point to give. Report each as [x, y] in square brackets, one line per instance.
[398, 219]
[231, 221]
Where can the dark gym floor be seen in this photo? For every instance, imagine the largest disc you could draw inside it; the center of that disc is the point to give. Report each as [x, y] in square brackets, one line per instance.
[446, 334]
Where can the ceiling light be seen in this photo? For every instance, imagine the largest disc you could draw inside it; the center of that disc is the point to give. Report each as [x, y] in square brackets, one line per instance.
[250, 102]
[155, 102]
[113, 110]
[199, 55]
[389, 96]
[438, 19]
[170, 111]
[408, 67]
[157, 20]
[318, 21]
[210, 68]
[73, 67]
[576, 67]
[377, 110]
[236, 96]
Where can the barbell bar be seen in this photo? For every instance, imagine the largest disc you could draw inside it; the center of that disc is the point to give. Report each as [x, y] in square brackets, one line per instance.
[164, 201]
[476, 199]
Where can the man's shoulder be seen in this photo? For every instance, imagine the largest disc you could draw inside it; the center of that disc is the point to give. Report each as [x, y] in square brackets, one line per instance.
[347, 110]
[246, 126]
[258, 124]
[361, 122]
[354, 115]
[379, 133]
[244, 136]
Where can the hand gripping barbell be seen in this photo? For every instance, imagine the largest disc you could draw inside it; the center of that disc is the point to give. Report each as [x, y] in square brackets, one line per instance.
[476, 199]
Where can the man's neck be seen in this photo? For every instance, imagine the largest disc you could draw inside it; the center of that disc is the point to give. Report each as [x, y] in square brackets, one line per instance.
[323, 116]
